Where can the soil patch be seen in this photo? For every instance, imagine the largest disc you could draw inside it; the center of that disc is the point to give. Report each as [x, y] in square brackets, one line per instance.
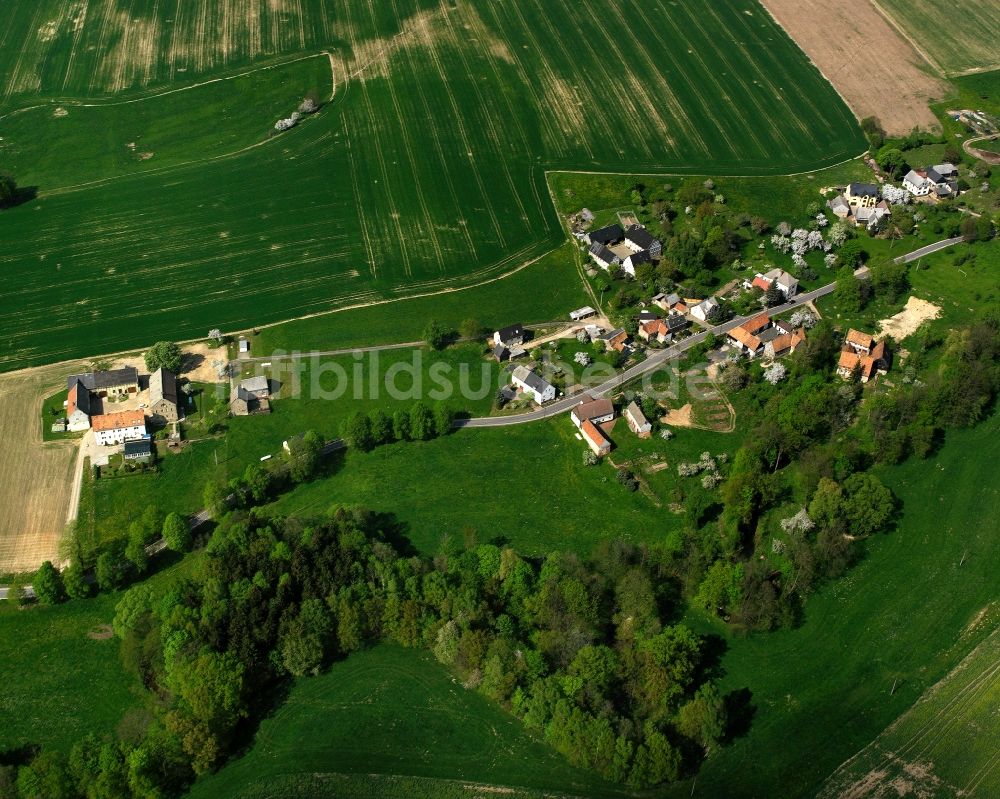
[907, 321]
[679, 417]
[834, 35]
[102, 632]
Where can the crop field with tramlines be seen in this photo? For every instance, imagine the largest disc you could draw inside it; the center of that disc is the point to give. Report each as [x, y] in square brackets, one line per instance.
[166, 204]
[944, 745]
[960, 36]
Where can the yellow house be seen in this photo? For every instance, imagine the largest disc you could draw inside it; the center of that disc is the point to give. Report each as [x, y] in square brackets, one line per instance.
[862, 195]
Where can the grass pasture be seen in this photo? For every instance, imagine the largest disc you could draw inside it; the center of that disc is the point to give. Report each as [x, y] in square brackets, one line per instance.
[941, 746]
[387, 712]
[905, 615]
[60, 674]
[960, 36]
[426, 172]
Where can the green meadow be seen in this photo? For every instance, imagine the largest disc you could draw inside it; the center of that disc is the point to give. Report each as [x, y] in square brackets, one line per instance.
[391, 711]
[427, 170]
[61, 674]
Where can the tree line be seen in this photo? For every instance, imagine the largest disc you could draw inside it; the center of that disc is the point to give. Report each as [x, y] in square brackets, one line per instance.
[585, 651]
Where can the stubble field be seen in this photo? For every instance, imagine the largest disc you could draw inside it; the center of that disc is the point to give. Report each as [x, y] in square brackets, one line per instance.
[960, 36]
[37, 477]
[427, 170]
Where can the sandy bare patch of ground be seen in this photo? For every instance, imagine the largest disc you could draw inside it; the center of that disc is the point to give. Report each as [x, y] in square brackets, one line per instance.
[876, 71]
[102, 632]
[679, 417]
[907, 321]
[35, 477]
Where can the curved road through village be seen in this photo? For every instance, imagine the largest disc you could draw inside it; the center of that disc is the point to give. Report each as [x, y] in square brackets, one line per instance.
[563, 405]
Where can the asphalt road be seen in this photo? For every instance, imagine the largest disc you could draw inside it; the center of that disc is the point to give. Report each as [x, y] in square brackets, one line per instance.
[652, 362]
[563, 405]
[930, 248]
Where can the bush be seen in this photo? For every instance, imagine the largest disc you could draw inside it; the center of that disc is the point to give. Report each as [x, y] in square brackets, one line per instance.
[164, 354]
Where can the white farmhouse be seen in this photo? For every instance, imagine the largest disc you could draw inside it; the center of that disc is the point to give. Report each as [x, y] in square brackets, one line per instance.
[704, 308]
[534, 384]
[117, 428]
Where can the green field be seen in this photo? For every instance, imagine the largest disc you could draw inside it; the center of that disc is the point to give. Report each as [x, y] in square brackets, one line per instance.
[59, 682]
[426, 171]
[525, 485]
[938, 747]
[906, 615]
[960, 36]
[391, 711]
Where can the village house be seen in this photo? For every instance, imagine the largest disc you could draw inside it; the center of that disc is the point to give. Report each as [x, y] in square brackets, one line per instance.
[512, 335]
[113, 384]
[616, 340]
[595, 439]
[934, 182]
[863, 354]
[534, 384]
[634, 260]
[250, 396]
[703, 309]
[612, 234]
[662, 330]
[140, 451]
[862, 195]
[503, 353]
[784, 344]
[637, 421]
[786, 283]
[839, 206]
[638, 239]
[603, 257]
[670, 302]
[117, 428]
[871, 217]
[645, 315]
[79, 408]
[593, 410]
[747, 338]
[163, 396]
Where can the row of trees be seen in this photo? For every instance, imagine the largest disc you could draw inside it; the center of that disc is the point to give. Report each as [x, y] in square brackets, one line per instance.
[365, 431]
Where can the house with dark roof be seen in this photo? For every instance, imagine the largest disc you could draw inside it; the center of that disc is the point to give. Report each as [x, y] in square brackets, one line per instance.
[79, 408]
[534, 384]
[163, 404]
[612, 234]
[636, 259]
[638, 239]
[140, 451]
[862, 195]
[511, 335]
[615, 339]
[603, 257]
[114, 383]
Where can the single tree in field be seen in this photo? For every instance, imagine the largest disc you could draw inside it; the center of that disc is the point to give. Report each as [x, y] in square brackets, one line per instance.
[303, 456]
[164, 354]
[773, 295]
[177, 533]
[48, 584]
[435, 335]
[8, 190]
[848, 290]
[215, 336]
[470, 328]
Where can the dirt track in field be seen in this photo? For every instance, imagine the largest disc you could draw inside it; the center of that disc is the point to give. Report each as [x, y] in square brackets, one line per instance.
[35, 478]
[876, 71]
